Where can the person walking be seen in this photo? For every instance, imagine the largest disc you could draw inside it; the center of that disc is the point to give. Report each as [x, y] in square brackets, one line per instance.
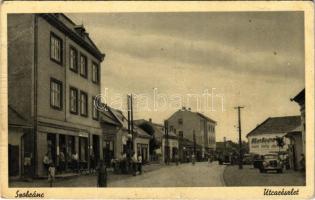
[101, 175]
[51, 174]
[193, 159]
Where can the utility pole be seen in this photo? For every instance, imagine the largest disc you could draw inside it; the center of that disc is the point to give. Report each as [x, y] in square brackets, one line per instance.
[129, 125]
[131, 118]
[194, 140]
[240, 161]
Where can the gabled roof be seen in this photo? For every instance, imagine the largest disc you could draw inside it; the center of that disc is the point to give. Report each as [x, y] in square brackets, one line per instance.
[300, 97]
[156, 127]
[16, 119]
[276, 125]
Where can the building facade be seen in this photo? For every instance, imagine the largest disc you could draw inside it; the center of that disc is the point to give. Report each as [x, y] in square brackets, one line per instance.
[262, 139]
[196, 127]
[54, 75]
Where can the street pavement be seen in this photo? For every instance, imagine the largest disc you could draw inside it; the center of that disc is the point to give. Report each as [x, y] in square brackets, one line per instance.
[202, 174]
[250, 176]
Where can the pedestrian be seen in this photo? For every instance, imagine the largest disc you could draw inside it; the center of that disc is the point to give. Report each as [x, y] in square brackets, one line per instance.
[176, 159]
[51, 174]
[140, 164]
[62, 161]
[75, 161]
[46, 161]
[134, 163]
[92, 161]
[102, 175]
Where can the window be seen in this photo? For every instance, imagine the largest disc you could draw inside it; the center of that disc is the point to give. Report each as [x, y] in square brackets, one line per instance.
[73, 100]
[180, 133]
[55, 48]
[73, 59]
[56, 94]
[95, 73]
[83, 66]
[180, 121]
[83, 104]
[95, 113]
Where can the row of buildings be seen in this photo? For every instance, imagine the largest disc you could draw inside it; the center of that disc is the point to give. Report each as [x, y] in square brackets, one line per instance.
[53, 79]
[262, 139]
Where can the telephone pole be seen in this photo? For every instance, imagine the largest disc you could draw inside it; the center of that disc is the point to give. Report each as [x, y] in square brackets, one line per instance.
[240, 161]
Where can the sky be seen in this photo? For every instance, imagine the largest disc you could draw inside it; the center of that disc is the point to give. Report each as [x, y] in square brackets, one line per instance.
[207, 61]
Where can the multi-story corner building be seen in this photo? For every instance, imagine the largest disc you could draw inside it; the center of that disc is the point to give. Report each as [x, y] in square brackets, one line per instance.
[193, 126]
[54, 74]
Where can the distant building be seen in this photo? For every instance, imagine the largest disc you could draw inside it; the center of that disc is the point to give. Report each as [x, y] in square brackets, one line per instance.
[185, 124]
[262, 139]
[53, 77]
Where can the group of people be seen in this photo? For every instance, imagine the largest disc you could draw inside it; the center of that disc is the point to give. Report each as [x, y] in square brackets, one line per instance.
[128, 163]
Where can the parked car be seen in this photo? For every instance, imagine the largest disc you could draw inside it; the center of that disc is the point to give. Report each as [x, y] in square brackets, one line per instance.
[247, 159]
[257, 161]
[271, 162]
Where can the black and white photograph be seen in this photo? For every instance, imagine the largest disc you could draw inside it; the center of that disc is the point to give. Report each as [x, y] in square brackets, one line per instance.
[166, 99]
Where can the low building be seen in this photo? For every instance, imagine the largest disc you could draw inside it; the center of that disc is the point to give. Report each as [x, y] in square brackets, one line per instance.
[262, 139]
[169, 147]
[117, 140]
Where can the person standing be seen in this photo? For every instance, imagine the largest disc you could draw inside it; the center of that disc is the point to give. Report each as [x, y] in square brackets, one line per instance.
[75, 161]
[193, 159]
[140, 164]
[101, 175]
[51, 174]
[62, 161]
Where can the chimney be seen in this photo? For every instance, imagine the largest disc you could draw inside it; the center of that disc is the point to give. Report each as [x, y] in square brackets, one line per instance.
[150, 120]
[80, 29]
[189, 109]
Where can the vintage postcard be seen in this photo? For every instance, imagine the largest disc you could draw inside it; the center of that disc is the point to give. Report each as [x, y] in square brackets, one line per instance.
[157, 100]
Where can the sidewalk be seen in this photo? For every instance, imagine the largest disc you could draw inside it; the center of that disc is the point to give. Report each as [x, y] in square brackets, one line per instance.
[75, 180]
[250, 176]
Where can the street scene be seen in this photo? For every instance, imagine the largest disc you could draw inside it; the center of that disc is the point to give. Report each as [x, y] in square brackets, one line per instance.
[192, 99]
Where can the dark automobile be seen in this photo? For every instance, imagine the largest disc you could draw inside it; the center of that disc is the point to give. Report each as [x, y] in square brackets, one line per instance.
[224, 158]
[271, 162]
[257, 161]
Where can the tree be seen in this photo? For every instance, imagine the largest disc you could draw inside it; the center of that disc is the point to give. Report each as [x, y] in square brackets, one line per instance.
[280, 142]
